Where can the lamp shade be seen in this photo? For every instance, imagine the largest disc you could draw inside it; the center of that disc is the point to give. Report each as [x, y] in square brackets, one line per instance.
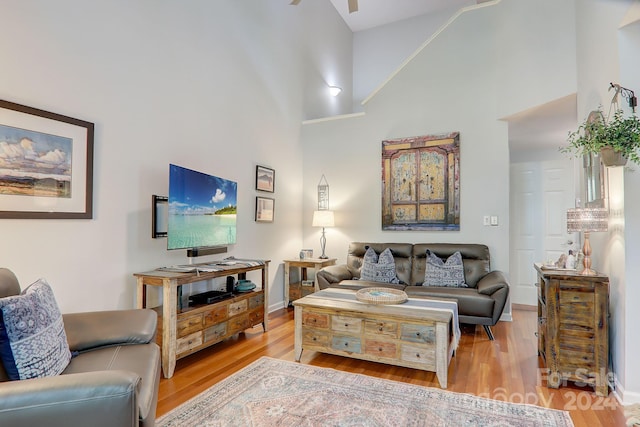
[587, 219]
[323, 219]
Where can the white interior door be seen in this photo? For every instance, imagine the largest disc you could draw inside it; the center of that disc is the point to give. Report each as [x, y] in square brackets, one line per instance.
[541, 193]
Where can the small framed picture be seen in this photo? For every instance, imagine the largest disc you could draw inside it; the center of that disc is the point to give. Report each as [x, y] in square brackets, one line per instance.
[307, 283]
[265, 209]
[265, 179]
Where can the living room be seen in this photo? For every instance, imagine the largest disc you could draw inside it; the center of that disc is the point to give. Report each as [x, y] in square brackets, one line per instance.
[222, 87]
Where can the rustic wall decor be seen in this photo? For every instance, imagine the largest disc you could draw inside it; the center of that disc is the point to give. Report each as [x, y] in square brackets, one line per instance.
[421, 183]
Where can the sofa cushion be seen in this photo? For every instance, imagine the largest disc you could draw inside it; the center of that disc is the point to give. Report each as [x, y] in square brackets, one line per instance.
[142, 359]
[379, 268]
[402, 254]
[470, 302]
[475, 258]
[33, 342]
[448, 273]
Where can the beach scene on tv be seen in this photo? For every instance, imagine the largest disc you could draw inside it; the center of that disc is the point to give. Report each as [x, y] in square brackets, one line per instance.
[202, 209]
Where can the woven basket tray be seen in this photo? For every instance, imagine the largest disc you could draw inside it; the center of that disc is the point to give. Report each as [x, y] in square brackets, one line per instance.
[381, 296]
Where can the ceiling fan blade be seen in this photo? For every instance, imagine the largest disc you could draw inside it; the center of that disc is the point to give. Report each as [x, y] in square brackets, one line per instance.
[294, 2]
[353, 6]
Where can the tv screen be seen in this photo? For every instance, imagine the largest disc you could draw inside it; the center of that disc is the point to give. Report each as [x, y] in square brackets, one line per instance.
[202, 209]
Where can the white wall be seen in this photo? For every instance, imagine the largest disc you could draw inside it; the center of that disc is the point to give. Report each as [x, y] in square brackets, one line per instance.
[607, 54]
[453, 84]
[379, 51]
[629, 44]
[214, 86]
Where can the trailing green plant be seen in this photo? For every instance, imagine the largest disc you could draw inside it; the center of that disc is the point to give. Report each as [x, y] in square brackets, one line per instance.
[619, 132]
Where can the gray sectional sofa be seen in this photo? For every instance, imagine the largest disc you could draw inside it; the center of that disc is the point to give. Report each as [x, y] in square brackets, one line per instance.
[481, 303]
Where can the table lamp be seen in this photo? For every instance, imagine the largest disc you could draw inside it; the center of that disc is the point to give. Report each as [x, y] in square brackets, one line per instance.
[587, 220]
[323, 219]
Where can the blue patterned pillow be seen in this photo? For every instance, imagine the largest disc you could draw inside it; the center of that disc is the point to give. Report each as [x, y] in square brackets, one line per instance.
[444, 273]
[32, 338]
[379, 269]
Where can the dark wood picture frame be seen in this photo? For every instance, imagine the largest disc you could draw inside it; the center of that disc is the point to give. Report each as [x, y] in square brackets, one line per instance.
[265, 209]
[265, 179]
[26, 191]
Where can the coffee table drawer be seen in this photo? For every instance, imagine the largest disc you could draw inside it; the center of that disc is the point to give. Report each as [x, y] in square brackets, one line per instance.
[418, 333]
[346, 324]
[313, 337]
[384, 349]
[375, 327]
[315, 320]
[348, 344]
[418, 354]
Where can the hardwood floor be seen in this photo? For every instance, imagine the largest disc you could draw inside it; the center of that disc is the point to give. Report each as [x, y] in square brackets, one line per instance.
[505, 369]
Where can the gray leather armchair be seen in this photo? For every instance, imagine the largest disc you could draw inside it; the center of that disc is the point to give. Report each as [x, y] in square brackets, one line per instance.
[112, 381]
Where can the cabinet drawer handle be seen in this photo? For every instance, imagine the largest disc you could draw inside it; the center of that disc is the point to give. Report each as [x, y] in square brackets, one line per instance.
[418, 334]
[418, 355]
[380, 329]
[380, 349]
[346, 344]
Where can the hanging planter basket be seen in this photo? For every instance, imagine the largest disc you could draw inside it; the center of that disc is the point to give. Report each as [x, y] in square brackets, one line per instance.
[612, 158]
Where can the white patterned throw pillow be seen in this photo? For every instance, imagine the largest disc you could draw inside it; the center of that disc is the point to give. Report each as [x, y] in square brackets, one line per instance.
[378, 268]
[444, 273]
[32, 339]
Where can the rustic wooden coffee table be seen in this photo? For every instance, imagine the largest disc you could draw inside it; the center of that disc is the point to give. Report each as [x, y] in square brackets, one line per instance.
[419, 333]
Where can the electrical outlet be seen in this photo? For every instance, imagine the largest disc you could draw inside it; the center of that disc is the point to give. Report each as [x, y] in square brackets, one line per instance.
[494, 220]
[486, 220]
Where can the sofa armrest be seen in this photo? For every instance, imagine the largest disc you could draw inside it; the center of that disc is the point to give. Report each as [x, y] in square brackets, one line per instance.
[101, 398]
[332, 275]
[492, 282]
[103, 328]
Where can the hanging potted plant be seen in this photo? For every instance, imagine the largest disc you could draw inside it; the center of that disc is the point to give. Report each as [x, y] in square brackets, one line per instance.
[616, 140]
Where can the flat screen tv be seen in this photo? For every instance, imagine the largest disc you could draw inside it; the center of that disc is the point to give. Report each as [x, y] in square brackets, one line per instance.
[202, 210]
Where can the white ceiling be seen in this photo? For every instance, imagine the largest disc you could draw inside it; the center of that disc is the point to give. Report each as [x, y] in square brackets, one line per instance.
[374, 13]
[541, 127]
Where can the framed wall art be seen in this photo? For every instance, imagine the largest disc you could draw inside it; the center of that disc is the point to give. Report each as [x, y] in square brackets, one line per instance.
[421, 183]
[46, 164]
[265, 209]
[265, 179]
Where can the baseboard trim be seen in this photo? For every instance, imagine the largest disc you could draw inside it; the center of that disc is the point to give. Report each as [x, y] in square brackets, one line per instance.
[524, 307]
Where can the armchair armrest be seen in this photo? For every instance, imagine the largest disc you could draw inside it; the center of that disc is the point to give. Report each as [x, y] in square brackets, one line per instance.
[333, 274]
[493, 282]
[101, 398]
[103, 328]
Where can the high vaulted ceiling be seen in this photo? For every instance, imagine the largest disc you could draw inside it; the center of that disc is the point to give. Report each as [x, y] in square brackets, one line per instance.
[374, 13]
[541, 127]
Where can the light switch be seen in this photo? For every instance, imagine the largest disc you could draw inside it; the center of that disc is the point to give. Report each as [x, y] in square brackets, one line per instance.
[486, 220]
[494, 219]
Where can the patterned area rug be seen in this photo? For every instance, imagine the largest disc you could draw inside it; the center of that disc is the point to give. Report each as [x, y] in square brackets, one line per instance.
[272, 392]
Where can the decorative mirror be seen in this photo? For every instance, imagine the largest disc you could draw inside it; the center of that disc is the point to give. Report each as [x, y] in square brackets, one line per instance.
[594, 173]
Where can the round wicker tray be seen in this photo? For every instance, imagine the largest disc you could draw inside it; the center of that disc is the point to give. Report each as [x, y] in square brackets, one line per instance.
[381, 296]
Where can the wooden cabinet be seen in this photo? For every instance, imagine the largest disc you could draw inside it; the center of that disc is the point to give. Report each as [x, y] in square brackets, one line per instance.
[203, 325]
[296, 290]
[573, 327]
[185, 330]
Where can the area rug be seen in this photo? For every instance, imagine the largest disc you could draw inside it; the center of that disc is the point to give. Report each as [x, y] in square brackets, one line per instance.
[272, 392]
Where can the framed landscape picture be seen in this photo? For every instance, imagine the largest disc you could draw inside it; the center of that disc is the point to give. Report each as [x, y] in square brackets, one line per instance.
[265, 179]
[46, 164]
[264, 209]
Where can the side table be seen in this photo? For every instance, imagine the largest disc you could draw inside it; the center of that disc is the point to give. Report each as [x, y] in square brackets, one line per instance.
[293, 291]
[573, 327]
